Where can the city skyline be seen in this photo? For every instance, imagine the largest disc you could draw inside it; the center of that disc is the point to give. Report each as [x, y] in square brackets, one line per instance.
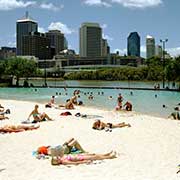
[117, 19]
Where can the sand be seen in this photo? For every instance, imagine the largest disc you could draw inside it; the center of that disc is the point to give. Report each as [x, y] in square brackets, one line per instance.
[149, 150]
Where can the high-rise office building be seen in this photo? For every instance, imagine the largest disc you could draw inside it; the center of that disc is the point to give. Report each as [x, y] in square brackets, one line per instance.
[133, 45]
[36, 44]
[24, 26]
[90, 35]
[158, 51]
[150, 47]
[57, 40]
[104, 47]
[65, 43]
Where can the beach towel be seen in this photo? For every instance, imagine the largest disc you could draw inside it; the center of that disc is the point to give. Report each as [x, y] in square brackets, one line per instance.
[88, 116]
[26, 122]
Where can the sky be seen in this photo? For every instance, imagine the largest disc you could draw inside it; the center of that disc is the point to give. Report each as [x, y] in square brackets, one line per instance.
[118, 18]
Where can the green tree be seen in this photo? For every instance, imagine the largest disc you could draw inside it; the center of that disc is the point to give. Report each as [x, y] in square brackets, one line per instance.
[20, 67]
[2, 68]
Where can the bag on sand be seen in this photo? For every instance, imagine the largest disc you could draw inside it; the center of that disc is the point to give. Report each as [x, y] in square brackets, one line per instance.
[57, 150]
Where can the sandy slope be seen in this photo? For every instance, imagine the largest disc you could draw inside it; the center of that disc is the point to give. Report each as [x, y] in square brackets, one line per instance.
[149, 150]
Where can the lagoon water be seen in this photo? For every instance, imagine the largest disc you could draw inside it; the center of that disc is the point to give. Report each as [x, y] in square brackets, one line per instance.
[143, 101]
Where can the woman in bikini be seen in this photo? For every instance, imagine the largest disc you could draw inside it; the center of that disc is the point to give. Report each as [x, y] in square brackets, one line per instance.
[99, 125]
[37, 116]
[80, 158]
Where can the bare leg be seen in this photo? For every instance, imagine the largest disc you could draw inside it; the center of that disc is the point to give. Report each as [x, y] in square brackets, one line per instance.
[99, 157]
[44, 115]
[76, 144]
[120, 125]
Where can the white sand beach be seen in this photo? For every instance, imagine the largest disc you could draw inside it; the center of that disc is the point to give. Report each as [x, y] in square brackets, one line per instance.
[149, 150]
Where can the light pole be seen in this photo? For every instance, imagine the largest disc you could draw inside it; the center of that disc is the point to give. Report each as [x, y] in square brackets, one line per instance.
[45, 83]
[45, 73]
[55, 75]
[164, 41]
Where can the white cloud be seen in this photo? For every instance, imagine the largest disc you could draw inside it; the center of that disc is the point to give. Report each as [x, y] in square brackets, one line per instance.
[107, 37]
[41, 30]
[13, 4]
[121, 51]
[174, 51]
[126, 3]
[51, 6]
[97, 3]
[11, 44]
[143, 49]
[138, 3]
[104, 26]
[60, 26]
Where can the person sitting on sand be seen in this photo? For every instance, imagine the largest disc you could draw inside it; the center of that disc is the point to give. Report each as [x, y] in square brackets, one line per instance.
[99, 125]
[1, 108]
[68, 147]
[18, 128]
[175, 115]
[128, 106]
[3, 111]
[70, 102]
[51, 103]
[3, 117]
[37, 116]
[69, 105]
[80, 158]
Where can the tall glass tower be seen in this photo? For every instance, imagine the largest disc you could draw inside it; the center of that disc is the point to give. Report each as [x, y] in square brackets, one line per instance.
[24, 26]
[150, 47]
[133, 45]
[90, 40]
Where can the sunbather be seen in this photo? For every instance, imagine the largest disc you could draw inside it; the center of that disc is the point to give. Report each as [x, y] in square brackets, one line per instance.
[80, 158]
[18, 128]
[68, 147]
[99, 125]
[38, 117]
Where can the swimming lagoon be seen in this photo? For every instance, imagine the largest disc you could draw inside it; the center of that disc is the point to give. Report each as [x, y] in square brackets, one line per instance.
[144, 101]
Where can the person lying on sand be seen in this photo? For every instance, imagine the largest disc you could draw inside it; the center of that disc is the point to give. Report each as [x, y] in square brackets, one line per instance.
[38, 117]
[70, 146]
[99, 125]
[18, 128]
[80, 158]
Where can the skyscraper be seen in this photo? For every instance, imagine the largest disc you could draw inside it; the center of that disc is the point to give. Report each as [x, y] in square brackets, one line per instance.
[57, 40]
[133, 45]
[24, 26]
[104, 47]
[150, 47]
[36, 44]
[90, 35]
[159, 51]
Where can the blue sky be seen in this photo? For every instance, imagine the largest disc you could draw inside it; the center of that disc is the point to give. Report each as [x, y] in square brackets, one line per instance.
[158, 18]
